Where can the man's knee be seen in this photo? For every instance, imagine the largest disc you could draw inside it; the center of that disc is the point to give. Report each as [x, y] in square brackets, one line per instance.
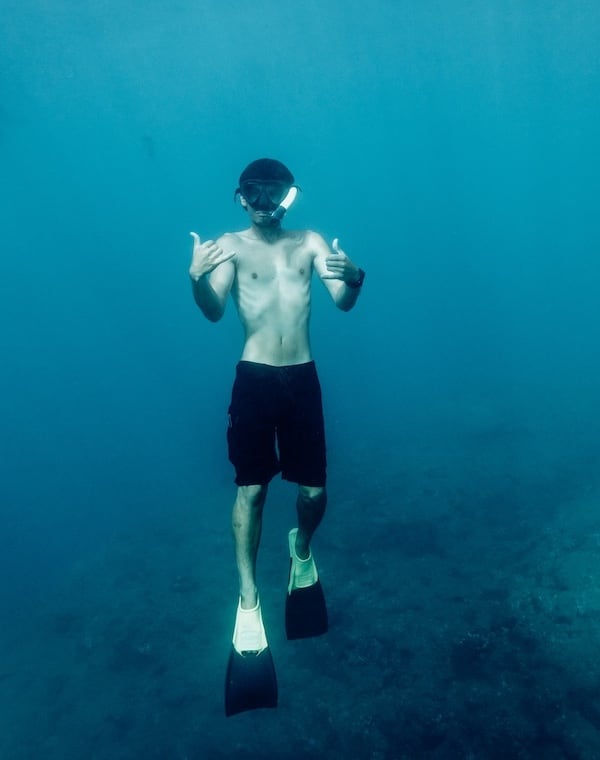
[313, 495]
[252, 496]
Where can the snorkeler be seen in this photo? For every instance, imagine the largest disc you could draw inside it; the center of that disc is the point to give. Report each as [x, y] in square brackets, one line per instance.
[275, 416]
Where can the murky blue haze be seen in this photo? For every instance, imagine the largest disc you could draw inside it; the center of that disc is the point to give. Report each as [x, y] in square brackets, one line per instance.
[453, 149]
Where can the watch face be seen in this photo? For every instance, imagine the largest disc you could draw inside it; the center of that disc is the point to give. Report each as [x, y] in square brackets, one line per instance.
[358, 283]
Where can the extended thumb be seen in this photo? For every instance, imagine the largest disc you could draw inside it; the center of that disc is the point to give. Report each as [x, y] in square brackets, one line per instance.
[336, 245]
[196, 238]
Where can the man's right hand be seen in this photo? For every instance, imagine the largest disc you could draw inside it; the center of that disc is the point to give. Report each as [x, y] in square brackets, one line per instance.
[206, 257]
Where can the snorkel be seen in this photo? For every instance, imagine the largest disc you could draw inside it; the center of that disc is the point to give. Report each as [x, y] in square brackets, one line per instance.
[285, 204]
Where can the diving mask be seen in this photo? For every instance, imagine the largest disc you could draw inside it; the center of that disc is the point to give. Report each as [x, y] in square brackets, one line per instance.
[272, 196]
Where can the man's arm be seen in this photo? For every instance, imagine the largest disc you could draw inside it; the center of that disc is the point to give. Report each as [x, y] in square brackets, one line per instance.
[342, 278]
[211, 273]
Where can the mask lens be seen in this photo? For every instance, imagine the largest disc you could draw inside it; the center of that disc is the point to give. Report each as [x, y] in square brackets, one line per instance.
[263, 193]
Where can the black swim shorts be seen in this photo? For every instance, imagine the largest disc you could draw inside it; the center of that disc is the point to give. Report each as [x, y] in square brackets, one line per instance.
[276, 424]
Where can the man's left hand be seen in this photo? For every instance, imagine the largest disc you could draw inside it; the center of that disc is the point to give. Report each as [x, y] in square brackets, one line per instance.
[339, 265]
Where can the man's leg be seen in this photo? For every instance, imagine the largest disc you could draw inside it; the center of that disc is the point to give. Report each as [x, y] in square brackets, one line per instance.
[305, 607]
[310, 505]
[247, 524]
[250, 681]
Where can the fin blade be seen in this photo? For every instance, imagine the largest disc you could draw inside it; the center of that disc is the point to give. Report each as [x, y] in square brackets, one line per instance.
[306, 612]
[250, 682]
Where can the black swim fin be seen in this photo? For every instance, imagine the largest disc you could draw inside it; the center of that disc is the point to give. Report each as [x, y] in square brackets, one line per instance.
[306, 612]
[305, 608]
[250, 682]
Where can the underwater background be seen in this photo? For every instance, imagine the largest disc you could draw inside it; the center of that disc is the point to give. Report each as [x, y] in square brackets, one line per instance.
[453, 148]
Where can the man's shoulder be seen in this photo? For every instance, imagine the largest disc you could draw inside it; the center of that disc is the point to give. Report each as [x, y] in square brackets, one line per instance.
[315, 243]
[308, 238]
[228, 237]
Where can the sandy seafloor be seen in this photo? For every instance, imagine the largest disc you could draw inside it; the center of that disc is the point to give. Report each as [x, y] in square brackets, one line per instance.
[462, 575]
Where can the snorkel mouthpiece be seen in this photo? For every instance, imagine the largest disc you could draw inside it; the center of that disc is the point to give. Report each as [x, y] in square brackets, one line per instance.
[285, 204]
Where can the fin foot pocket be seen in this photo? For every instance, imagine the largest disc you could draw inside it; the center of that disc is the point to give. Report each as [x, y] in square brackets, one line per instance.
[303, 572]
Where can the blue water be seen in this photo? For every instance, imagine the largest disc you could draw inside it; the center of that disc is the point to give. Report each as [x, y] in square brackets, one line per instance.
[453, 149]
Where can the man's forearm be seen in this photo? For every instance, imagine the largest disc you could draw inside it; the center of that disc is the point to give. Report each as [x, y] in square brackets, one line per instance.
[205, 297]
[346, 297]
[348, 294]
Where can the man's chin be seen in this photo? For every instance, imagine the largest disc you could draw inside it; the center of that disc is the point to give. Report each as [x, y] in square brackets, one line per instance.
[265, 219]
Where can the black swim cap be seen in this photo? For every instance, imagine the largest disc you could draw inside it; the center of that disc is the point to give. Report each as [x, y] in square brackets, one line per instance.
[267, 169]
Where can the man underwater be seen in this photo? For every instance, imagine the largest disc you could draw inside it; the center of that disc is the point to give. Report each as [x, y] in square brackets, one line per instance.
[275, 416]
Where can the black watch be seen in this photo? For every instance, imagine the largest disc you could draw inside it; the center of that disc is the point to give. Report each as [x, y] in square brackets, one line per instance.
[357, 283]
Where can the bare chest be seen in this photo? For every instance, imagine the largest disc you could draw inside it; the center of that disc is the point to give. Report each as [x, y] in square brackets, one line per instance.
[261, 267]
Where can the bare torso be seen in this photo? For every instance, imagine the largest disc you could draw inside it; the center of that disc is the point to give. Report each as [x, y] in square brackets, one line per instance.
[268, 273]
[271, 291]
